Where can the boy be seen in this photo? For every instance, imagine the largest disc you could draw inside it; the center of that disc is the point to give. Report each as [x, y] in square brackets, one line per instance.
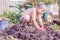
[34, 14]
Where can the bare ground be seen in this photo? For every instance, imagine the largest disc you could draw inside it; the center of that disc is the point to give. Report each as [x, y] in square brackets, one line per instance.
[29, 33]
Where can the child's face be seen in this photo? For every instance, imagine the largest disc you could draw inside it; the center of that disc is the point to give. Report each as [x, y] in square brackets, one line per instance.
[41, 9]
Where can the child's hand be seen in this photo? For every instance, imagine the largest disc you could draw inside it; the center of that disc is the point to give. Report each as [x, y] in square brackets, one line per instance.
[40, 27]
[37, 27]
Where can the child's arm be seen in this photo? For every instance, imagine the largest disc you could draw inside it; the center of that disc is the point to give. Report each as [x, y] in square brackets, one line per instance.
[40, 20]
[34, 18]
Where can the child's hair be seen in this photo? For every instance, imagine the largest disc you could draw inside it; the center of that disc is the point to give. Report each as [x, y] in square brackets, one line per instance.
[40, 4]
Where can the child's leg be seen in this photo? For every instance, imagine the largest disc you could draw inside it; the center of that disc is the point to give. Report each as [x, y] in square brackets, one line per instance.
[25, 19]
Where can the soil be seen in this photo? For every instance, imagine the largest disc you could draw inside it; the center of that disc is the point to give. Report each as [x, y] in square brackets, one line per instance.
[28, 32]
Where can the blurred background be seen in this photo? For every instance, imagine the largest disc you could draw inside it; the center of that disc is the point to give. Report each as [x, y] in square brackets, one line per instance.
[6, 5]
[16, 6]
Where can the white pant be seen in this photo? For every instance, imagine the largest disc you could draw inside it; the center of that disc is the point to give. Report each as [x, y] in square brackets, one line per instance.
[25, 18]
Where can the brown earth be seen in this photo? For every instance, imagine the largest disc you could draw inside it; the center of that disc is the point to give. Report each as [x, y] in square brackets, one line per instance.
[28, 32]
